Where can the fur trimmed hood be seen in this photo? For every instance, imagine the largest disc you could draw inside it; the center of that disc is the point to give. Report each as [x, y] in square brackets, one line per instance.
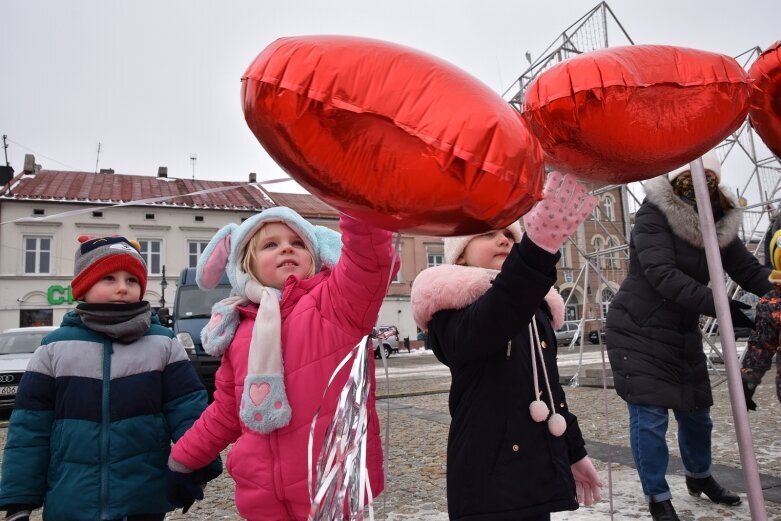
[683, 219]
[455, 287]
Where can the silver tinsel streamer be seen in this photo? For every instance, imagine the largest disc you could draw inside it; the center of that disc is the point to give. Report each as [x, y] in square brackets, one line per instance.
[338, 484]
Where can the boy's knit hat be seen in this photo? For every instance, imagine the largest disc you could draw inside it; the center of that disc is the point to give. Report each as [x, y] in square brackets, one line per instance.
[97, 257]
[710, 161]
[455, 246]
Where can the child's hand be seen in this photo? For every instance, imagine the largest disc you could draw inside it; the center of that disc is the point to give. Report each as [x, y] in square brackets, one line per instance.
[587, 482]
[565, 205]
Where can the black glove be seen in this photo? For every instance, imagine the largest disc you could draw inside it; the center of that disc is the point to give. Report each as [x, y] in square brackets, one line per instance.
[182, 489]
[19, 512]
[739, 319]
[748, 392]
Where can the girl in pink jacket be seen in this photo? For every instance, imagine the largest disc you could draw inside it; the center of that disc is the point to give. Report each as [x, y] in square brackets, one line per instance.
[302, 300]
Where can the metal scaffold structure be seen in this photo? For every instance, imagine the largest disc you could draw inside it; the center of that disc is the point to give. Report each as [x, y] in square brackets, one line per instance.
[593, 276]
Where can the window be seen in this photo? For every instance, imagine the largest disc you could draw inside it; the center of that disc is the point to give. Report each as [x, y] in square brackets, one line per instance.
[608, 208]
[38, 211]
[37, 255]
[35, 317]
[149, 216]
[97, 214]
[194, 250]
[612, 257]
[397, 278]
[571, 312]
[564, 250]
[598, 247]
[434, 259]
[199, 218]
[607, 297]
[150, 251]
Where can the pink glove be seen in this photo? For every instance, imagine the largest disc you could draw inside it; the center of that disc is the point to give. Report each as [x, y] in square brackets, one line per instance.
[564, 206]
[587, 482]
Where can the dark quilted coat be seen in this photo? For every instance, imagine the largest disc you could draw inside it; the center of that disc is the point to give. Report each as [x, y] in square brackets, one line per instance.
[652, 332]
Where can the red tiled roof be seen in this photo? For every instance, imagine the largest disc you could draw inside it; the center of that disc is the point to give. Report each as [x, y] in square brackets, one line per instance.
[306, 204]
[88, 187]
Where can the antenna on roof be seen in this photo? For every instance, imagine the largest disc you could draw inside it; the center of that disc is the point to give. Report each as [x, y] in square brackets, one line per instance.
[98, 158]
[193, 159]
[5, 149]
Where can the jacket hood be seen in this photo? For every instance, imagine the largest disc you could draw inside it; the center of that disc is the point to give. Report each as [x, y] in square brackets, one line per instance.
[455, 287]
[683, 219]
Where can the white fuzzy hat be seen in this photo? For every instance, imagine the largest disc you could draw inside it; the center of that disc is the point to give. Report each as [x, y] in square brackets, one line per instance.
[455, 246]
[710, 161]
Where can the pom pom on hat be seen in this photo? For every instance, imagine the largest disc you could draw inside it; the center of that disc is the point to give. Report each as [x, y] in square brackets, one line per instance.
[97, 257]
[710, 161]
[455, 246]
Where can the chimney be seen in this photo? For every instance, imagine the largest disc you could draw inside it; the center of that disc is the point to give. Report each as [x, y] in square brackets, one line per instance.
[253, 177]
[162, 171]
[106, 170]
[29, 164]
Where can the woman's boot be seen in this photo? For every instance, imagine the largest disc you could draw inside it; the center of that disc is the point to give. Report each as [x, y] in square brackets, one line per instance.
[712, 489]
[663, 511]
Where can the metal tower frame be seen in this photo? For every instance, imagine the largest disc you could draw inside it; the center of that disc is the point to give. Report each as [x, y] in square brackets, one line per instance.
[599, 28]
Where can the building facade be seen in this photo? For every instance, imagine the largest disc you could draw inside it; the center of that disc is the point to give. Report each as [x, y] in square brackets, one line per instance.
[43, 212]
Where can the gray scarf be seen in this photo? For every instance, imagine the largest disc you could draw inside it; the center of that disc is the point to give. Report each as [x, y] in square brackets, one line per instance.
[122, 322]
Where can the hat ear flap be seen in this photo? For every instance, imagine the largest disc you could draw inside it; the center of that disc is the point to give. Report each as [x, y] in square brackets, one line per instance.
[214, 259]
[329, 245]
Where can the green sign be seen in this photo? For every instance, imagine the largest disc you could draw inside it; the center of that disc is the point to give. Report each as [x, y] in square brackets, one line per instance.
[59, 295]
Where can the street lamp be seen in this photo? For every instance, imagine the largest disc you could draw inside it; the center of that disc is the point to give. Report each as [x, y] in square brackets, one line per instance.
[163, 285]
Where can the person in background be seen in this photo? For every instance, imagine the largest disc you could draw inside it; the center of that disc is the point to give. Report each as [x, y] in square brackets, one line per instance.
[101, 402]
[515, 451]
[652, 329]
[764, 340]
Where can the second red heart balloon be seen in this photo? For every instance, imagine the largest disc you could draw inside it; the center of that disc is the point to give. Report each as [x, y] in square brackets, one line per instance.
[630, 113]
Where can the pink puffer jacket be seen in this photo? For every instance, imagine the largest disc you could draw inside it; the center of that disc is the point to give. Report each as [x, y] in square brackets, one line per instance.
[323, 318]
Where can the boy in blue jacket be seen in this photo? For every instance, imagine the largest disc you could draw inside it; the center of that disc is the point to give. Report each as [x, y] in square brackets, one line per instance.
[101, 401]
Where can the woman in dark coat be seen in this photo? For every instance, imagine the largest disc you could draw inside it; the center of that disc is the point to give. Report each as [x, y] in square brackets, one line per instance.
[652, 331]
[503, 464]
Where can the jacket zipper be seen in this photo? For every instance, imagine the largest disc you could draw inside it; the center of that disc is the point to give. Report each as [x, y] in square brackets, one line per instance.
[104, 428]
[509, 348]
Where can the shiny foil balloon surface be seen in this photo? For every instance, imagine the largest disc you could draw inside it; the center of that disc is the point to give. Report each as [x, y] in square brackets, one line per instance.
[391, 135]
[631, 113]
[765, 111]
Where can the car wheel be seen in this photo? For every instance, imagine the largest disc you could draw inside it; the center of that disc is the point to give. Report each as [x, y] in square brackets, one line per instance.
[387, 350]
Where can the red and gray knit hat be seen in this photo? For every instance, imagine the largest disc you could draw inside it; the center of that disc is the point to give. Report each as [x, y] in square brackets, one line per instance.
[97, 257]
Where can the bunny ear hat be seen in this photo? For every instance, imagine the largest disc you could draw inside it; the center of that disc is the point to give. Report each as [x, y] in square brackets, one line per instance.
[264, 405]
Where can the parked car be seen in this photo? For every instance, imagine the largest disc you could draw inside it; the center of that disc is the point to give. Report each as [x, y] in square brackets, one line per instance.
[388, 337]
[192, 311]
[566, 333]
[16, 348]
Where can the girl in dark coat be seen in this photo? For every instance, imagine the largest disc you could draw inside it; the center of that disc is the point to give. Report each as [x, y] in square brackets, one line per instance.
[652, 333]
[495, 331]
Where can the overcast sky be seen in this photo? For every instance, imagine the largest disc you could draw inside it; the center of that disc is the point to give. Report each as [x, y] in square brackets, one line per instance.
[156, 81]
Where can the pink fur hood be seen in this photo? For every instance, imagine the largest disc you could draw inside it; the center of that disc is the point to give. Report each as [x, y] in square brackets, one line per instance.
[452, 286]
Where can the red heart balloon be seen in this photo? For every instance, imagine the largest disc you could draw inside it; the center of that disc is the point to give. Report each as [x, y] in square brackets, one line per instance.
[630, 113]
[391, 135]
[765, 111]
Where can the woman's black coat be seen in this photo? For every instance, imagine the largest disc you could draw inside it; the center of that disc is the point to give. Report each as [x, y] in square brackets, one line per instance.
[501, 465]
[652, 331]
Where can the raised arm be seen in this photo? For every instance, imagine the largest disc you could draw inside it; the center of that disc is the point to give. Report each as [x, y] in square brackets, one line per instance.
[359, 280]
